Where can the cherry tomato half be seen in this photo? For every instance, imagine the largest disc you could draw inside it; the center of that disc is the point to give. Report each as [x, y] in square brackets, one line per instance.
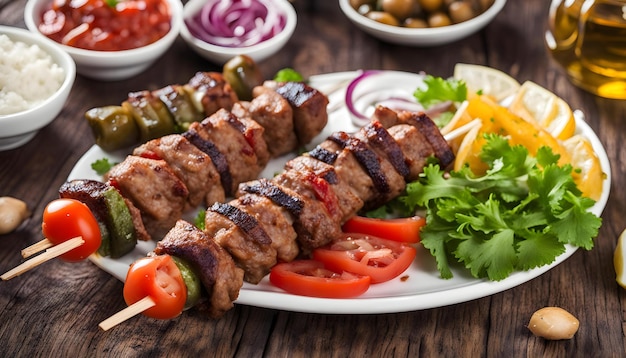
[159, 278]
[64, 219]
[310, 278]
[366, 255]
[401, 229]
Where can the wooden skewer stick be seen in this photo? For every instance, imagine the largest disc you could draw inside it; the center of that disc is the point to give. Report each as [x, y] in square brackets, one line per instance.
[127, 313]
[36, 247]
[49, 254]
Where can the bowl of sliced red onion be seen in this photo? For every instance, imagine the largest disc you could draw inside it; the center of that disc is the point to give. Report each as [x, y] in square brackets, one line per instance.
[218, 30]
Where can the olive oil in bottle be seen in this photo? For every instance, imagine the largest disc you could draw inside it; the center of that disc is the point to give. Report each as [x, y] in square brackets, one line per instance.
[588, 38]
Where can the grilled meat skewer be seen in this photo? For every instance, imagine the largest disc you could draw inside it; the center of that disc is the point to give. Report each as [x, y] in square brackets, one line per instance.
[170, 175]
[298, 208]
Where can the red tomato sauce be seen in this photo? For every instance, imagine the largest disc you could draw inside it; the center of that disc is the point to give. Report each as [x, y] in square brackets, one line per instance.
[106, 25]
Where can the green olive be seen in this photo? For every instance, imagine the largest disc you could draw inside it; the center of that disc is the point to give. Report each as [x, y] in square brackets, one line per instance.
[439, 19]
[400, 9]
[485, 4]
[415, 23]
[356, 4]
[430, 5]
[364, 9]
[460, 11]
[243, 74]
[113, 127]
[383, 17]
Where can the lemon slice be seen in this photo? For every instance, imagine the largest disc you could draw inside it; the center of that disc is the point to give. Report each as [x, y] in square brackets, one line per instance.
[618, 260]
[466, 147]
[540, 106]
[587, 170]
[487, 80]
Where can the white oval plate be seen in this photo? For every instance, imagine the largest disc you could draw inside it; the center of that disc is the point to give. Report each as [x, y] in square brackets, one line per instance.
[423, 289]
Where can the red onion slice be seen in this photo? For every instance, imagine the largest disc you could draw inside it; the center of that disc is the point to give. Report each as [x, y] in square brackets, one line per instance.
[237, 23]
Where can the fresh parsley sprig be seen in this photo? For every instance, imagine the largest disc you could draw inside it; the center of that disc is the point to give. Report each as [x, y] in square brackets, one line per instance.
[518, 216]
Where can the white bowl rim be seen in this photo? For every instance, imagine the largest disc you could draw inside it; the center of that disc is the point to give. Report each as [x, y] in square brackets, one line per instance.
[53, 49]
[176, 23]
[494, 9]
[290, 26]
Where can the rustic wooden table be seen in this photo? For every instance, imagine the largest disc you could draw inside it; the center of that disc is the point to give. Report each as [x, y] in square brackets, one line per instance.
[55, 309]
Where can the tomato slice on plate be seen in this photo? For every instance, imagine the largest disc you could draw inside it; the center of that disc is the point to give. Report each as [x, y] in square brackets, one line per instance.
[367, 255]
[311, 278]
[400, 229]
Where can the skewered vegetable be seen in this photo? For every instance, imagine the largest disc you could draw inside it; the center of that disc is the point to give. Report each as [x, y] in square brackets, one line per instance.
[147, 115]
[71, 232]
[64, 219]
[119, 221]
[243, 74]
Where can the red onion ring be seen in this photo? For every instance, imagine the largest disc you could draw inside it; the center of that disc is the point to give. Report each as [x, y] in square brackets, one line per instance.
[236, 23]
[382, 96]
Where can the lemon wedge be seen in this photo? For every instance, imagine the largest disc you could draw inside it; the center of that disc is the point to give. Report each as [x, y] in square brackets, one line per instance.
[538, 105]
[489, 81]
[587, 170]
[618, 260]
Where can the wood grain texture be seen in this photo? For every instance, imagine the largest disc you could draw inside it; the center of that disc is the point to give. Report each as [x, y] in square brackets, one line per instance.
[54, 310]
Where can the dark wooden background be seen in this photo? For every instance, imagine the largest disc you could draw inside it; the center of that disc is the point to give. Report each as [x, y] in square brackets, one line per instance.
[54, 310]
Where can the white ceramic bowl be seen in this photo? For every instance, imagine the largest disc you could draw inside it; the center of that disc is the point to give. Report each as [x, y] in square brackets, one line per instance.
[219, 54]
[111, 65]
[421, 37]
[18, 128]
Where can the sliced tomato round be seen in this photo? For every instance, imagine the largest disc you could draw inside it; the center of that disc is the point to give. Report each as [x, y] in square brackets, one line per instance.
[400, 229]
[366, 255]
[159, 278]
[311, 278]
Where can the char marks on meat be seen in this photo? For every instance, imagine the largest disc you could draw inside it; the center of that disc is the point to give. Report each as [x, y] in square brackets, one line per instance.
[194, 167]
[268, 189]
[219, 275]
[230, 141]
[309, 108]
[212, 92]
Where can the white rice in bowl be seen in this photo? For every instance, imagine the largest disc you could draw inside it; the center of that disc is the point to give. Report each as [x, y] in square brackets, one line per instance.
[28, 76]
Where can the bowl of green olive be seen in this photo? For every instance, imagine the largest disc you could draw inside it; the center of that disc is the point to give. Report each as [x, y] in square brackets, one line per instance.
[421, 22]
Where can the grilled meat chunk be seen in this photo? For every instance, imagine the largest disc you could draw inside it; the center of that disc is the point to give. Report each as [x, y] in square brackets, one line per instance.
[224, 130]
[241, 235]
[275, 221]
[309, 108]
[194, 167]
[211, 92]
[154, 188]
[320, 219]
[349, 203]
[217, 271]
[271, 110]
[389, 118]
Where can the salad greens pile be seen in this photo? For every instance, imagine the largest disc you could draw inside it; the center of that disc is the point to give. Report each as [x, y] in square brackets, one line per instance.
[518, 216]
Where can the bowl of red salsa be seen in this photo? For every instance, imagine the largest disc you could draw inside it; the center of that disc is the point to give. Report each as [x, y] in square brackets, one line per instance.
[108, 39]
